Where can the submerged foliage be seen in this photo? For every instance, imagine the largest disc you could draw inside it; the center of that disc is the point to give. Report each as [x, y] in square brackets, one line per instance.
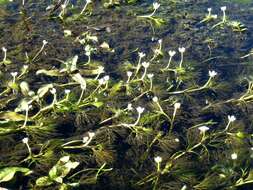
[87, 104]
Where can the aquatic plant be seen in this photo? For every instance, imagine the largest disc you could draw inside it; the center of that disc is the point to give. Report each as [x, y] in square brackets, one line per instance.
[88, 109]
[157, 21]
[5, 61]
[209, 17]
[236, 26]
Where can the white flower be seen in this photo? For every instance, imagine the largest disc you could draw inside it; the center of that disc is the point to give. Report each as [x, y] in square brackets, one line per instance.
[87, 53]
[145, 64]
[209, 9]
[141, 54]
[53, 91]
[67, 32]
[101, 81]
[129, 107]
[63, 6]
[212, 73]
[156, 5]
[155, 99]
[66, 91]
[181, 49]
[14, 74]
[44, 42]
[150, 75]
[203, 129]
[91, 134]
[177, 105]
[140, 110]
[231, 118]
[215, 16]
[129, 73]
[223, 8]
[234, 156]
[177, 140]
[106, 78]
[88, 1]
[85, 139]
[25, 140]
[100, 69]
[158, 159]
[4, 49]
[160, 41]
[25, 67]
[83, 87]
[172, 53]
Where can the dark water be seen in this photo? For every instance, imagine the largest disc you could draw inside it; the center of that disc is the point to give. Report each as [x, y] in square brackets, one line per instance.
[125, 155]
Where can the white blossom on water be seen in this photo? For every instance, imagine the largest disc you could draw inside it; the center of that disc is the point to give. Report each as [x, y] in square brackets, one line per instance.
[156, 5]
[181, 49]
[172, 53]
[158, 159]
[234, 156]
[25, 140]
[231, 118]
[150, 75]
[140, 110]
[177, 105]
[203, 129]
[141, 54]
[129, 73]
[145, 64]
[212, 73]
[224, 8]
[155, 99]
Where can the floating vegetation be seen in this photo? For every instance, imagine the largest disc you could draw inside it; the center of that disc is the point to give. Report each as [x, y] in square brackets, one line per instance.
[125, 95]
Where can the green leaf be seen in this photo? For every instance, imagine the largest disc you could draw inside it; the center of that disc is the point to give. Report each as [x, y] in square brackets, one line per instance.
[53, 173]
[52, 73]
[44, 181]
[4, 2]
[6, 131]
[58, 179]
[61, 169]
[64, 187]
[44, 89]
[63, 159]
[116, 88]
[157, 21]
[248, 180]
[131, 1]
[12, 116]
[71, 165]
[7, 61]
[78, 78]
[6, 174]
[97, 104]
[70, 64]
[24, 87]
[23, 105]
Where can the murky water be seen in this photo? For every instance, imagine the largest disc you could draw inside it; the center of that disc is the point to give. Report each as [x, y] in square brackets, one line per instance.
[90, 137]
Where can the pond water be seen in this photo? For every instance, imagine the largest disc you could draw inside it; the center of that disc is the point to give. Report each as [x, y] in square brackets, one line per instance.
[126, 94]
